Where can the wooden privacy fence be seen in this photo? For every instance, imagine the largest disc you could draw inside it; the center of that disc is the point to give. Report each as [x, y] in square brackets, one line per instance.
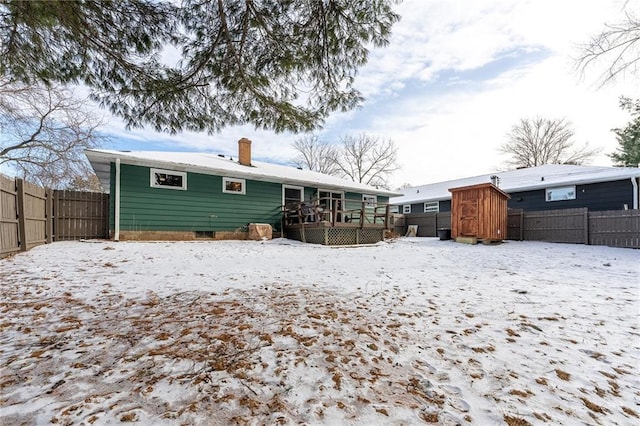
[429, 223]
[80, 215]
[23, 215]
[615, 228]
[31, 215]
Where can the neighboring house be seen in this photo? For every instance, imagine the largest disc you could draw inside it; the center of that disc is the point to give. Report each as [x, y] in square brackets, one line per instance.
[548, 187]
[180, 195]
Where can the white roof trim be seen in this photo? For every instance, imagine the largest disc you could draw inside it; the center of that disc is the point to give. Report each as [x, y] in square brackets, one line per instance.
[529, 179]
[213, 164]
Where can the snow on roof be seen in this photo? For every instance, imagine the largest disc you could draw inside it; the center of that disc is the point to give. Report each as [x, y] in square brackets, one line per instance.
[527, 179]
[220, 165]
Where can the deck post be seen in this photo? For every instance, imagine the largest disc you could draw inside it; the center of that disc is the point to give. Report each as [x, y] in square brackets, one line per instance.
[386, 217]
[334, 213]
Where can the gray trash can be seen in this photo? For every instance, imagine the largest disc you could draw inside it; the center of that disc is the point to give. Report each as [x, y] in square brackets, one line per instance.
[444, 234]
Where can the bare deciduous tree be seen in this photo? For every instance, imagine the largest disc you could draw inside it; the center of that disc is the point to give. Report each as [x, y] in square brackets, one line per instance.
[44, 133]
[618, 45]
[316, 154]
[537, 141]
[363, 158]
[368, 159]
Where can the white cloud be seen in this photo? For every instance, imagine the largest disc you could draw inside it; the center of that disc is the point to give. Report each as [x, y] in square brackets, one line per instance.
[456, 76]
[452, 126]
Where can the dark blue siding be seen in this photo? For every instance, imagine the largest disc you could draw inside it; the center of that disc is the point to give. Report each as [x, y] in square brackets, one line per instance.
[445, 206]
[596, 197]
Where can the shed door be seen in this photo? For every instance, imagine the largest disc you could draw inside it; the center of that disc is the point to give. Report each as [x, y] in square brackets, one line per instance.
[469, 218]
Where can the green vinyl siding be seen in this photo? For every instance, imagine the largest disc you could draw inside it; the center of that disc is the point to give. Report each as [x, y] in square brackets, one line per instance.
[202, 207]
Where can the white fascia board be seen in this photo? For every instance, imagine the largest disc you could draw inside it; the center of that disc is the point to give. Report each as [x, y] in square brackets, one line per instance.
[210, 170]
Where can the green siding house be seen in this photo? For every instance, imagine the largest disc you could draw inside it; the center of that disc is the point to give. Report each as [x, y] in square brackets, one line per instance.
[181, 195]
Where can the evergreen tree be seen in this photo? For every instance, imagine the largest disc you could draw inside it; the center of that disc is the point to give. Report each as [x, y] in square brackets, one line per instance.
[628, 152]
[199, 65]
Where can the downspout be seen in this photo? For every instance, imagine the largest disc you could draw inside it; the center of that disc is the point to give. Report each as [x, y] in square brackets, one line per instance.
[634, 183]
[116, 232]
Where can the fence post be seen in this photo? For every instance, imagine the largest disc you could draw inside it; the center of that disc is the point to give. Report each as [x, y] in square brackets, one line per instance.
[586, 226]
[48, 205]
[56, 215]
[22, 220]
[522, 225]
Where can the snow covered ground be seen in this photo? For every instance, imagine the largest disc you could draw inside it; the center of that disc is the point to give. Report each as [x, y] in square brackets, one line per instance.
[408, 331]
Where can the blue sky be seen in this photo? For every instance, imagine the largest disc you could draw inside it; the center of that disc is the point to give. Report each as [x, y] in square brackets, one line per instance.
[454, 79]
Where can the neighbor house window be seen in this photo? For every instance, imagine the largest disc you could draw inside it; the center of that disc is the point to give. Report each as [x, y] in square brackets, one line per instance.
[168, 179]
[233, 186]
[431, 207]
[370, 200]
[560, 193]
[406, 209]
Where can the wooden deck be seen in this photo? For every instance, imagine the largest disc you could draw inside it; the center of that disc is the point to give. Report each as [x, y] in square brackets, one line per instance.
[313, 223]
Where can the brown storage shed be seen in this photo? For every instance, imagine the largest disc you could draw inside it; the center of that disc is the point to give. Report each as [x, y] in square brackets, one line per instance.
[479, 211]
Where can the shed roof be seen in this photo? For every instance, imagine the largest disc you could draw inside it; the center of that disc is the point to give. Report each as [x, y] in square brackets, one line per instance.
[219, 165]
[532, 178]
[486, 185]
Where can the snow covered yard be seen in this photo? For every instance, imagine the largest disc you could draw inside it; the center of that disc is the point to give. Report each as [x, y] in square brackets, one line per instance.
[409, 331]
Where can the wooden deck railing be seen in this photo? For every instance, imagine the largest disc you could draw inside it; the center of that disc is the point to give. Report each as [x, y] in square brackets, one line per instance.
[330, 211]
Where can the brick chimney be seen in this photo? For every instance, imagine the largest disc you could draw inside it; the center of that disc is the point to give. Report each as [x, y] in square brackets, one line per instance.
[244, 152]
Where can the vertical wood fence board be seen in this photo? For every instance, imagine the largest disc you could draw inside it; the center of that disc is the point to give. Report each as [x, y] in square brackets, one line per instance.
[49, 216]
[35, 218]
[9, 234]
[20, 209]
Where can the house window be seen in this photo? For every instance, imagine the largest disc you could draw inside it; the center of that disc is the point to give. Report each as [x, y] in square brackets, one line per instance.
[406, 209]
[432, 207]
[560, 193]
[168, 179]
[370, 200]
[292, 195]
[233, 185]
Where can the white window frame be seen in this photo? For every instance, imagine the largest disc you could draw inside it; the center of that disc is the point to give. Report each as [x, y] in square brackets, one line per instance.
[153, 184]
[560, 193]
[406, 209]
[370, 200]
[226, 180]
[429, 207]
[299, 188]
